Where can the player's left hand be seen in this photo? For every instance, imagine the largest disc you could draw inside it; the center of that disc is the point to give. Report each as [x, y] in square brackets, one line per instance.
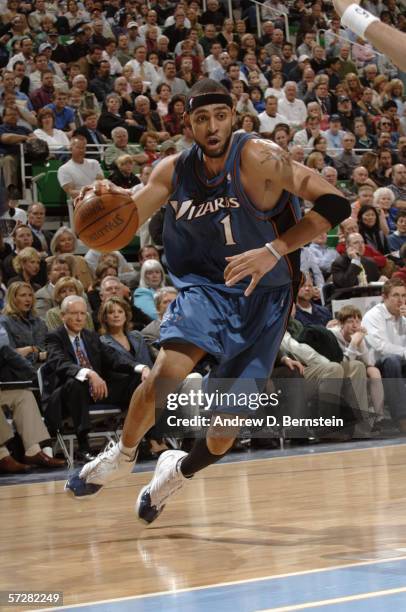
[255, 263]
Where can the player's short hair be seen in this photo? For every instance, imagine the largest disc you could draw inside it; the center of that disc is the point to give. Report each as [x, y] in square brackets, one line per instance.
[206, 86]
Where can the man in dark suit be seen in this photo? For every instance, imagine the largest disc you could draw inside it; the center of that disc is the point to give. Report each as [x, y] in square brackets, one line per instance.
[79, 373]
[353, 269]
[91, 133]
[36, 219]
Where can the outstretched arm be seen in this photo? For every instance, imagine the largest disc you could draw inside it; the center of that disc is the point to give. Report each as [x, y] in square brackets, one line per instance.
[387, 39]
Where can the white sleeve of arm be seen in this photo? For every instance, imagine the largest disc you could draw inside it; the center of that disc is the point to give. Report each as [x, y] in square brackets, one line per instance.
[82, 375]
[377, 339]
[303, 352]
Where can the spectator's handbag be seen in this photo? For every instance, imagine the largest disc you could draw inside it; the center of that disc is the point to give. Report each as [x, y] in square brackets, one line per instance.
[36, 151]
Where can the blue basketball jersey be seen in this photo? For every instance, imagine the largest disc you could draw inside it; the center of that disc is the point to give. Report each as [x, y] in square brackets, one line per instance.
[207, 220]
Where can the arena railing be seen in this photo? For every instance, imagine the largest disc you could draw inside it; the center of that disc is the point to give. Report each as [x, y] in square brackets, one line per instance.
[260, 7]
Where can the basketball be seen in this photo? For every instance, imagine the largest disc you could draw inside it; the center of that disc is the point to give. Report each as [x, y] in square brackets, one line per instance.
[106, 222]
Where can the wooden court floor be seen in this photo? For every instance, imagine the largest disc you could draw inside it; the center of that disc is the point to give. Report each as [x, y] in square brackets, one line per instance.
[232, 522]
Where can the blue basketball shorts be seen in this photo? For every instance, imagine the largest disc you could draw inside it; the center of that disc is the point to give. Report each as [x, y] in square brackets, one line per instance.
[243, 333]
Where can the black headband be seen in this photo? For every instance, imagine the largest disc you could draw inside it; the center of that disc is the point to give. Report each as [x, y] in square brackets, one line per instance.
[210, 98]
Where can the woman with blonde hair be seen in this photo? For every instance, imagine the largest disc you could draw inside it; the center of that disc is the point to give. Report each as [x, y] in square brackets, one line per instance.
[64, 242]
[26, 331]
[379, 90]
[27, 265]
[152, 278]
[395, 91]
[67, 285]
[315, 161]
[353, 87]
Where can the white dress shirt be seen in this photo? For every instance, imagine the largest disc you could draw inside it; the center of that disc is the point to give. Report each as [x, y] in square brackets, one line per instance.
[150, 74]
[386, 333]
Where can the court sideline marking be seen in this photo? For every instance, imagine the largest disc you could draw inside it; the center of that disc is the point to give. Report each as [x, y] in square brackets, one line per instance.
[235, 582]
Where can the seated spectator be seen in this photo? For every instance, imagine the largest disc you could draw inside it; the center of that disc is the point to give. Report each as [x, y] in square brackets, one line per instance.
[398, 184]
[270, 118]
[152, 279]
[58, 266]
[107, 266]
[323, 254]
[93, 258]
[27, 266]
[11, 135]
[64, 242]
[164, 94]
[351, 337]
[67, 285]
[22, 238]
[186, 141]
[386, 335]
[384, 199]
[81, 372]
[26, 331]
[115, 329]
[89, 130]
[325, 375]
[27, 419]
[320, 145]
[111, 118]
[110, 287]
[315, 161]
[36, 220]
[44, 94]
[353, 269]
[177, 85]
[102, 84]
[350, 226]
[78, 171]
[150, 142]
[347, 160]
[174, 119]
[334, 134]
[149, 120]
[246, 123]
[163, 297]
[281, 135]
[370, 228]
[363, 139]
[307, 136]
[124, 173]
[307, 311]
[398, 238]
[64, 115]
[309, 265]
[121, 147]
[360, 176]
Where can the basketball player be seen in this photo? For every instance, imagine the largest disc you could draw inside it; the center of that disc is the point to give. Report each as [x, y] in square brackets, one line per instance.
[388, 40]
[232, 236]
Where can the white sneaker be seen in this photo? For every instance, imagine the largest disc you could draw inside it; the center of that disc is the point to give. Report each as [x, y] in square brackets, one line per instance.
[167, 479]
[110, 464]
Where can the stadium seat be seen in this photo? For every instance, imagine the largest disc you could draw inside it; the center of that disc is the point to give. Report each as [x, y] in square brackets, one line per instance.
[45, 179]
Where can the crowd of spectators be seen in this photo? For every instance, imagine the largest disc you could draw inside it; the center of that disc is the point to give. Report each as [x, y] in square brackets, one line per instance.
[103, 84]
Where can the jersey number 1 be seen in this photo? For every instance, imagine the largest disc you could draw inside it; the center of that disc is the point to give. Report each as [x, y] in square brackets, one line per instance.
[228, 233]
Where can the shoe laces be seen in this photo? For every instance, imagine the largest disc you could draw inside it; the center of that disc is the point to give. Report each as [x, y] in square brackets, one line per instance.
[109, 453]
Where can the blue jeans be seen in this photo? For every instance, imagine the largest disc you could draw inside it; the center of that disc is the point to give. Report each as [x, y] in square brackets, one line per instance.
[393, 370]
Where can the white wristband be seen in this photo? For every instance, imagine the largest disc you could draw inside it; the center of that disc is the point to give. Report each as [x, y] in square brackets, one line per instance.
[273, 251]
[357, 19]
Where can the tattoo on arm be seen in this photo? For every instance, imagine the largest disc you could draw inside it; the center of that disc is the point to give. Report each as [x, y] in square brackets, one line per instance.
[269, 154]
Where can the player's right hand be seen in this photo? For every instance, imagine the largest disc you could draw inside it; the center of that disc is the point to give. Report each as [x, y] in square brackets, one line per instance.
[341, 5]
[99, 188]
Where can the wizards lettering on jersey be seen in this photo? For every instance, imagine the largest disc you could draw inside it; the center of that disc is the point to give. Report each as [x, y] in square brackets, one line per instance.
[189, 210]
